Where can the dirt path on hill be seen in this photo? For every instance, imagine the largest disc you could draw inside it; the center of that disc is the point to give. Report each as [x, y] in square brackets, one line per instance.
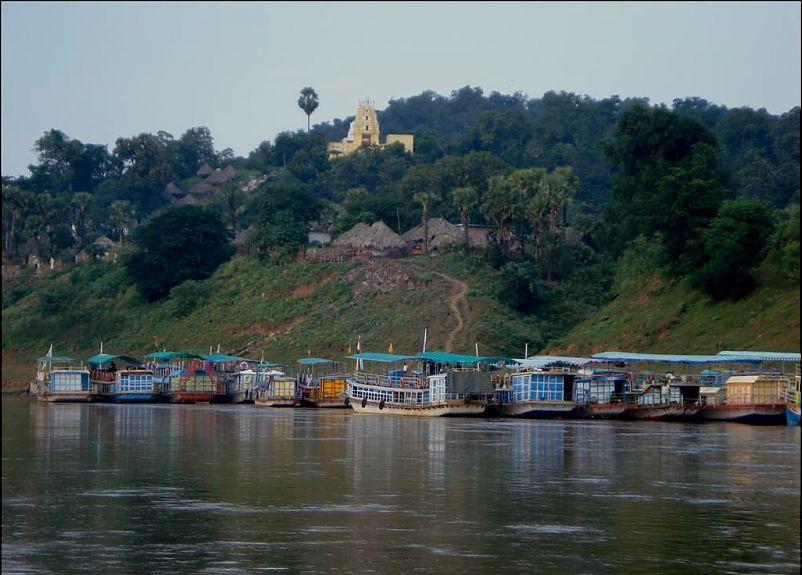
[455, 300]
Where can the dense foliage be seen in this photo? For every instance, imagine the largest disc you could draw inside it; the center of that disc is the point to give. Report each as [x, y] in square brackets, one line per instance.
[177, 244]
[569, 182]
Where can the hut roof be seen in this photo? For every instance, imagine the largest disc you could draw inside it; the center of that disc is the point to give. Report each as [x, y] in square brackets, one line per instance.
[377, 236]
[345, 238]
[205, 170]
[222, 176]
[441, 233]
[104, 241]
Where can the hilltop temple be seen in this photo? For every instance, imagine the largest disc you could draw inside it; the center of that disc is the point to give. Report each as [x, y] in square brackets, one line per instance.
[364, 132]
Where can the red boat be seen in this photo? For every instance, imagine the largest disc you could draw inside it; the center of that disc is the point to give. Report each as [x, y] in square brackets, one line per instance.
[197, 382]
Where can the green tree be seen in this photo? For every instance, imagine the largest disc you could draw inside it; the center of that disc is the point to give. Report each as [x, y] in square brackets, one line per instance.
[734, 245]
[121, 218]
[231, 199]
[308, 102]
[668, 182]
[466, 199]
[177, 244]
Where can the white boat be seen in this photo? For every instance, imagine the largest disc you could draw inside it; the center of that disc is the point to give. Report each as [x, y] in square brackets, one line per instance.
[431, 392]
[61, 379]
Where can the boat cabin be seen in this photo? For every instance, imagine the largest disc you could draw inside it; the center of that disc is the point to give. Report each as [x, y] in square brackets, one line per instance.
[61, 378]
[126, 382]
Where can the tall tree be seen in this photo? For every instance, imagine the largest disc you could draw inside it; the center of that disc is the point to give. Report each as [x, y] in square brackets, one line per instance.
[466, 199]
[178, 244]
[424, 199]
[308, 102]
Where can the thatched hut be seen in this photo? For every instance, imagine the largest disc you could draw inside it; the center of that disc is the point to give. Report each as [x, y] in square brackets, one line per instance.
[377, 239]
[442, 233]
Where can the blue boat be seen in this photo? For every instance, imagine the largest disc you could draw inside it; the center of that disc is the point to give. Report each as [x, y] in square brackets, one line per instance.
[792, 401]
[130, 384]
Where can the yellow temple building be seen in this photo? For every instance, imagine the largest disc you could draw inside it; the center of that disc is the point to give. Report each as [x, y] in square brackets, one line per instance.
[364, 132]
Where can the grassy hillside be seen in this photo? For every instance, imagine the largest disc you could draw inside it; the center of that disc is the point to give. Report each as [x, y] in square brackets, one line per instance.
[657, 315]
[252, 307]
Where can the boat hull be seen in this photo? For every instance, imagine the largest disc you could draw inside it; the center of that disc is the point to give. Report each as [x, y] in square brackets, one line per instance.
[240, 397]
[539, 409]
[132, 397]
[792, 415]
[671, 412]
[603, 411]
[435, 410]
[275, 402]
[772, 414]
[333, 403]
[191, 397]
[82, 397]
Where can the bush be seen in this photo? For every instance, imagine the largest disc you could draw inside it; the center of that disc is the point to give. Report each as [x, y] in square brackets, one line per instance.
[521, 288]
[734, 245]
[185, 298]
[54, 298]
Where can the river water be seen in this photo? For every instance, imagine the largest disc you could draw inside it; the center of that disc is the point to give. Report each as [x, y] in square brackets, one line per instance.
[238, 489]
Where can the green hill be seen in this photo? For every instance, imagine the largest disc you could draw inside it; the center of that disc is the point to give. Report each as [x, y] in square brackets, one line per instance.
[286, 309]
[251, 307]
[655, 315]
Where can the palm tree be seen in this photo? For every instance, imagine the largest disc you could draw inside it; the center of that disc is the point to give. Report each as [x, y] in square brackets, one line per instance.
[465, 199]
[122, 214]
[308, 102]
[424, 198]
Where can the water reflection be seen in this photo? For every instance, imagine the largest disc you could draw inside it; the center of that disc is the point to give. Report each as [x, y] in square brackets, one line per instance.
[216, 489]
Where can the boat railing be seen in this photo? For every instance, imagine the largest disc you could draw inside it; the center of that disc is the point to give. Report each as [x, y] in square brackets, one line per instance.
[384, 380]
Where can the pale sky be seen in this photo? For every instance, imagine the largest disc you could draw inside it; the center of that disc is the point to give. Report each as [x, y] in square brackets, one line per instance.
[102, 71]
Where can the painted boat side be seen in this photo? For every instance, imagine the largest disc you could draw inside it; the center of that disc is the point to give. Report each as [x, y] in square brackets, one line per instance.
[277, 402]
[436, 410]
[663, 412]
[539, 409]
[191, 396]
[602, 411]
[770, 414]
[66, 397]
[792, 415]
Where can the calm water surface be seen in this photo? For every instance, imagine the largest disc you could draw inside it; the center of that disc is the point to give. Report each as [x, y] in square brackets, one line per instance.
[237, 489]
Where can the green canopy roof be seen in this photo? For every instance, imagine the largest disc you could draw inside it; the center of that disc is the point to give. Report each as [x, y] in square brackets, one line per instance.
[381, 357]
[55, 358]
[446, 357]
[170, 355]
[671, 358]
[315, 360]
[102, 358]
[222, 358]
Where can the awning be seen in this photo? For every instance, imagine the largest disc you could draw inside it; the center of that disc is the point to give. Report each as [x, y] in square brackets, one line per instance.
[763, 355]
[222, 358]
[670, 358]
[446, 357]
[380, 357]
[315, 361]
[537, 361]
[102, 358]
[171, 355]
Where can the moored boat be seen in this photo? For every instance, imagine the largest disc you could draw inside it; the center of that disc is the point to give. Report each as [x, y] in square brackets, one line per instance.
[541, 394]
[196, 381]
[276, 389]
[432, 391]
[666, 402]
[129, 384]
[749, 399]
[791, 395]
[61, 379]
[601, 395]
[322, 383]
